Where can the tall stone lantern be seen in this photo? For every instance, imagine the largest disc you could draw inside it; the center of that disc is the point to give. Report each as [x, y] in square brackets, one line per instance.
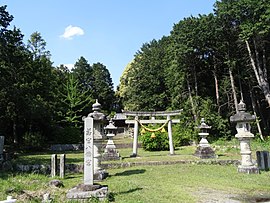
[99, 136]
[110, 152]
[204, 150]
[242, 120]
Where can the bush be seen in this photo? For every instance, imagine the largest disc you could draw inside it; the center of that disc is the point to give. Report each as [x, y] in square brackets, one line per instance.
[182, 135]
[158, 143]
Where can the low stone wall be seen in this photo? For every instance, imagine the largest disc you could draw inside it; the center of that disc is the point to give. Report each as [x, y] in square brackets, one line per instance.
[66, 147]
[78, 168]
[75, 147]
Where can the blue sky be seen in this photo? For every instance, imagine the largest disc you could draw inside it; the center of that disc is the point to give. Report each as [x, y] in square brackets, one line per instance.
[106, 31]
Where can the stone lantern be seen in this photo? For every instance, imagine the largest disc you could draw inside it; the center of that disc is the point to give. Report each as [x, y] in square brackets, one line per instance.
[204, 149]
[242, 120]
[99, 136]
[2, 148]
[110, 152]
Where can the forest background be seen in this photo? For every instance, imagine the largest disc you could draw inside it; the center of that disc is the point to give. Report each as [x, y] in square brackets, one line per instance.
[205, 66]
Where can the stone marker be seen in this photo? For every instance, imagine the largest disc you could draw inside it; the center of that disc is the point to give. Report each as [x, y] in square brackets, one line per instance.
[88, 151]
[98, 137]
[62, 165]
[92, 130]
[263, 160]
[2, 148]
[53, 165]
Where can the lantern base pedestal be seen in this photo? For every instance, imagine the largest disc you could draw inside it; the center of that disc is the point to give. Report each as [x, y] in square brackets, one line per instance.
[84, 192]
[110, 154]
[205, 153]
[248, 169]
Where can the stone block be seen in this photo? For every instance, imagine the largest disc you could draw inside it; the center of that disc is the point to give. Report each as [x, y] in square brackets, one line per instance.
[84, 192]
[263, 160]
[205, 153]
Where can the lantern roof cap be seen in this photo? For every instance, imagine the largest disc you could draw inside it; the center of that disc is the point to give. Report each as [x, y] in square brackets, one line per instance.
[111, 126]
[203, 125]
[96, 106]
[96, 114]
[242, 116]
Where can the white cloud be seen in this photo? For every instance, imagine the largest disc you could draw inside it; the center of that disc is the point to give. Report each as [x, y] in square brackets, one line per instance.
[69, 66]
[71, 31]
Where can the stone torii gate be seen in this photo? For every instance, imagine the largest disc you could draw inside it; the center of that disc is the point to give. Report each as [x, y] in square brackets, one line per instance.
[136, 121]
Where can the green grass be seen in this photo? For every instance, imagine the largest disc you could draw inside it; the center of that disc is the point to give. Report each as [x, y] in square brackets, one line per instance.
[163, 183]
[147, 184]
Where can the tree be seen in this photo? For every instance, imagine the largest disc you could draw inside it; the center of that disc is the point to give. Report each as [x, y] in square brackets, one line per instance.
[103, 86]
[75, 102]
[37, 46]
[145, 84]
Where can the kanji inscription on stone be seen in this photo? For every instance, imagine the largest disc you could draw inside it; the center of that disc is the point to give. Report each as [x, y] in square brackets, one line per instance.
[88, 151]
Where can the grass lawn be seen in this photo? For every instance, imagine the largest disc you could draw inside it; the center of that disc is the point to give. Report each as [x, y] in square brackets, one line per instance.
[157, 184]
[150, 184]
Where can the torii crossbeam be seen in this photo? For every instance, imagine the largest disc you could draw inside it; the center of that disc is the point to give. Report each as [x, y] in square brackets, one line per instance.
[136, 114]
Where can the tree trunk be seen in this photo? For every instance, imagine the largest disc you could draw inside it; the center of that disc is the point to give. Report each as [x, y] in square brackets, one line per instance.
[254, 110]
[192, 102]
[195, 81]
[233, 90]
[217, 90]
[261, 75]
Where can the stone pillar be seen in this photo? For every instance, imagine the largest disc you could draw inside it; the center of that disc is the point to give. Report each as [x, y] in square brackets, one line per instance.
[62, 165]
[53, 165]
[93, 135]
[242, 120]
[263, 160]
[135, 138]
[2, 138]
[88, 151]
[170, 135]
[98, 137]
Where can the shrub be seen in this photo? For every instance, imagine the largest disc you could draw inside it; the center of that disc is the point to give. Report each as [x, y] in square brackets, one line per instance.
[158, 143]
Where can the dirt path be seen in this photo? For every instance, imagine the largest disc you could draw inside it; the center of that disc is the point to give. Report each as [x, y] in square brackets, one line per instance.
[215, 196]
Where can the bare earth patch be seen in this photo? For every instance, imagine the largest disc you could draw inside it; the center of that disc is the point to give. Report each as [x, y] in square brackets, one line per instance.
[215, 196]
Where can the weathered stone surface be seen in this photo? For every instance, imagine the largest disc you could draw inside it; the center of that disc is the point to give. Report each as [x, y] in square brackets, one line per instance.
[36, 168]
[263, 160]
[78, 168]
[56, 183]
[6, 166]
[1, 148]
[87, 191]
[248, 169]
[205, 153]
[53, 165]
[46, 198]
[100, 175]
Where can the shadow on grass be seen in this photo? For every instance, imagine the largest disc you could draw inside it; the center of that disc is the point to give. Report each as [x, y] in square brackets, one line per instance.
[130, 172]
[112, 195]
[128, 191]
[74, 160]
